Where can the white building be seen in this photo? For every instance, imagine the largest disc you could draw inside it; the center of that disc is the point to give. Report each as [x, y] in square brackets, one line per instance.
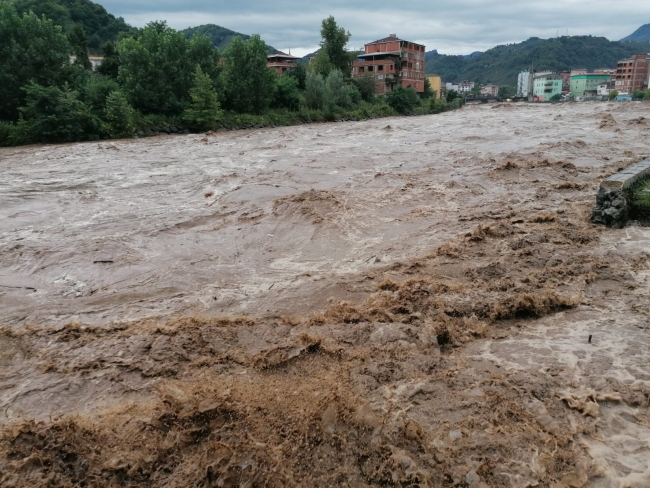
[524, 82]
[602, 90]
[465, 86]
[451, 86]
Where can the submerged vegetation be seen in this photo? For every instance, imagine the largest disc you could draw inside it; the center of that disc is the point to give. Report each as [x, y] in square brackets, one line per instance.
[157, 80]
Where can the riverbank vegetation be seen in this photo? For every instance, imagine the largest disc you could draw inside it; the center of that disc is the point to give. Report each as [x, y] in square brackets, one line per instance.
[155, 80]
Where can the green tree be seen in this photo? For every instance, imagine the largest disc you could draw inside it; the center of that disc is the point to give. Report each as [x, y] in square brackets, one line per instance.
[204, 111]
[249, 82]
[613, 94]
[299, 73]
[321, 64]
[119, 115]
[157, 68]
[437, 105]
[315, 91]
[367, 86]
[451, 95]
[647, 95]
[428, 92]
[556, 98]
[95, 92]
[51, 114]
[403, 100]
[111, 63]
[334, 42]
[506, 91]
[638, 95]
[337, 92]
[79, 43]
[31, 49]
[286, 93]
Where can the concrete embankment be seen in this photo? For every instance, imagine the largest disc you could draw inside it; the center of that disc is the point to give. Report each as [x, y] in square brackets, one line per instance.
[613, 198]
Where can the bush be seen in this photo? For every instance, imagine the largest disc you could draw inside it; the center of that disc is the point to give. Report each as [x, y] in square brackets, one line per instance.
[119, 115]
[337, 93]
[613, 94]
[437, 106]
[54, 115]
[286, 93]
[95, 92]
[452, 95]
[204, 111]
[314, 91]
[403, 100]
[367, 87]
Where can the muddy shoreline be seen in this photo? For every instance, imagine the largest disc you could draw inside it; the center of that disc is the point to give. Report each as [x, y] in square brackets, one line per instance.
[398, 302]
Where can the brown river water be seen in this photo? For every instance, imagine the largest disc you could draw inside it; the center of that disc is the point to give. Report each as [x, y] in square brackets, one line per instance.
[397, 302]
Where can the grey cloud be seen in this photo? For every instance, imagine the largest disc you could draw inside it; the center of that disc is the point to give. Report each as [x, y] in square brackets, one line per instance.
[456, 27]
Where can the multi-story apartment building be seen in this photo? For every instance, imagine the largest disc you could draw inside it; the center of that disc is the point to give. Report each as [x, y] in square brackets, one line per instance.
[546, 86]
[390, 61]
[281, 62]
[586, 85]
[489, 90]
[524, 83]
[632, 73]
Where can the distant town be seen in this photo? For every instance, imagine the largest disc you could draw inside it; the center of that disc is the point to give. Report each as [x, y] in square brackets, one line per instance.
[393, 61]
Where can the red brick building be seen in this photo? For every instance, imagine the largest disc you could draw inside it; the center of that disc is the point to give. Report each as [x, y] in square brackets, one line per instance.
[632, 73]
[390, 61]
[281, 62]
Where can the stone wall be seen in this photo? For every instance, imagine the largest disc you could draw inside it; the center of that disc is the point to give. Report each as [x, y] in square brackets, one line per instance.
[612, 201]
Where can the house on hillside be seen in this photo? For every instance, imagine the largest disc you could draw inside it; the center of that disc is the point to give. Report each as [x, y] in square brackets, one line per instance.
[390, 61]
[95, 61]
[281, 62]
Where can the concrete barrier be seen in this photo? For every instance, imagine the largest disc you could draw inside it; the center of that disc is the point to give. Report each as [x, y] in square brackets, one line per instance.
[613, 198]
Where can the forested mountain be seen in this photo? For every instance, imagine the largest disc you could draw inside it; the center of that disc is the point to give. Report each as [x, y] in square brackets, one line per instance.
[98, 24]
[500, 65]
[642, 34]
[220, 36]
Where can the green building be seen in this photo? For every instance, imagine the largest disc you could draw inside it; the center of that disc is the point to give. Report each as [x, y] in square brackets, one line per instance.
[586, 86]
[546, 86]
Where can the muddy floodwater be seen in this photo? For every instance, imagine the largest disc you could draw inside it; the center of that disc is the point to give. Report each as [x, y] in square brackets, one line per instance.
[404, 302]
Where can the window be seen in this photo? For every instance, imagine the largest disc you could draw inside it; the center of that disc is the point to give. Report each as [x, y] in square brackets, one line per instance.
[371, 68]
[380, 67]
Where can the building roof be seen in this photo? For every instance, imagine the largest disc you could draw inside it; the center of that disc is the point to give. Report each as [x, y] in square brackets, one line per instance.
[282, 56]
[590, 75]
[391, 38]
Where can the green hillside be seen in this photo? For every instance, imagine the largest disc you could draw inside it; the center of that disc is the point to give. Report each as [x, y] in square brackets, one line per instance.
[99, 25]
[642, 34]
[501, 65]
[220, 36]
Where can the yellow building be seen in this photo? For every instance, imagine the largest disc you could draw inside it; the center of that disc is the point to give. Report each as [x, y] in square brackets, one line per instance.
[436, 84]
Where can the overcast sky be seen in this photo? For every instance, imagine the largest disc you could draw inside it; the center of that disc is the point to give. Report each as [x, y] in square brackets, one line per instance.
[451, 27]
